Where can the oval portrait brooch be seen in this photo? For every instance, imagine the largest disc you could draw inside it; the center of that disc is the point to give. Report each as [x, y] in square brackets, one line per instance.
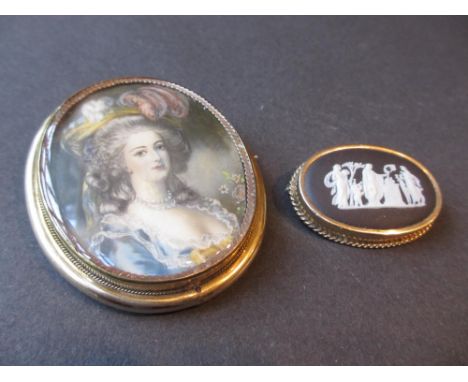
[143, 195]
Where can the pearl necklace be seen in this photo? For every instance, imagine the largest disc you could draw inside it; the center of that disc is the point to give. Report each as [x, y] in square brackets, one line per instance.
[167, 202]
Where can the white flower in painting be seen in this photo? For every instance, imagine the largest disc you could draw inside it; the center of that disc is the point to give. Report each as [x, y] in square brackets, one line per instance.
[223, 189]
[95, 110]
[239, 193]
[236, 178]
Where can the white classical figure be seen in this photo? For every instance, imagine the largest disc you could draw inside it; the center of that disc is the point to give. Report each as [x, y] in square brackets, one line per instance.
[380, 190]
[356, 194]
[373, 186]
[337, 180]
[392, 193]
[411, 187]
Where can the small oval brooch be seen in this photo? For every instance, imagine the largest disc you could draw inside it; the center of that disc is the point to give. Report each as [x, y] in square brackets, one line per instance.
[365, 196]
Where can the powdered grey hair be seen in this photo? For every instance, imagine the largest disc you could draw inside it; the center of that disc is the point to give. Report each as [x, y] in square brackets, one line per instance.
[107, 174]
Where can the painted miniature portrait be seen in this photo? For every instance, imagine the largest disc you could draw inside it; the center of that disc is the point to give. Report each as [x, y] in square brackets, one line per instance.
[149, 180]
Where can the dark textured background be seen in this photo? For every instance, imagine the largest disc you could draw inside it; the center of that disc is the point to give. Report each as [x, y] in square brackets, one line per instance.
[291, 86]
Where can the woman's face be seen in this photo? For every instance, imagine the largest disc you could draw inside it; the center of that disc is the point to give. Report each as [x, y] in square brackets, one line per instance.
[146, 156]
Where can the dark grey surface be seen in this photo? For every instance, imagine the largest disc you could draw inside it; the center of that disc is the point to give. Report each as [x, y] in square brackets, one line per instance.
[291, 86]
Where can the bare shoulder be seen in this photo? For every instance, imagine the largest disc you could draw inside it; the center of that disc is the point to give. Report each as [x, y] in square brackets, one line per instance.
[202, 219]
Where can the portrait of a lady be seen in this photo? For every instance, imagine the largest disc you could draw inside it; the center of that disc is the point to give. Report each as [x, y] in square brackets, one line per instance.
[145, 218]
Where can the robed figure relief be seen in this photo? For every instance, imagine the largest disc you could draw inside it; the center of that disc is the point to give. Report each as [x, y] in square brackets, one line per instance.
[357, 185]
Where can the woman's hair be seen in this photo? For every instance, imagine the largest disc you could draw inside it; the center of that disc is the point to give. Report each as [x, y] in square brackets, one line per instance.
[106, 171]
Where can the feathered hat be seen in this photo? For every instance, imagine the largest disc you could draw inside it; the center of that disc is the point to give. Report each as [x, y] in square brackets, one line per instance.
[152, 102]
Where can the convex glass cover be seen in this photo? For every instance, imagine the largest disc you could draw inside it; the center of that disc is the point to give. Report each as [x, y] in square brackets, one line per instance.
[144, 196]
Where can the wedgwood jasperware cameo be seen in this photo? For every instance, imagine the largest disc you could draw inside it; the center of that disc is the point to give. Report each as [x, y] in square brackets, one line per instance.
[365, 196]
